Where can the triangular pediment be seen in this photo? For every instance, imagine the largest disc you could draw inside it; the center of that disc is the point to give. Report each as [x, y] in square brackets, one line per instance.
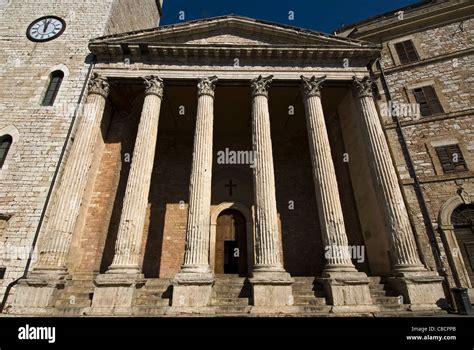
[230, 31]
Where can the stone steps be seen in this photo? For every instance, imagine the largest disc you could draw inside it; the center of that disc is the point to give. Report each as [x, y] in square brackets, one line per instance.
[232, 309]
[75, 299]
[76, 295]
[309, 301]
[77, 304]
[383, 293]
[152, 302]
[155, 294]
[230, 288]
[306, 293]
[231, 291]
[384, 297]
[157, 283]
[314, 309]
[148, 311]
[229, 301]
[386, 300]
[231, 295]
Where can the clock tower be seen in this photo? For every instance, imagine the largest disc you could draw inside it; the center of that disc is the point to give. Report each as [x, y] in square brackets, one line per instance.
[45, 64]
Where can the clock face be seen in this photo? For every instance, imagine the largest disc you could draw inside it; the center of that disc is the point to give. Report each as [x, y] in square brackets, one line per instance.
[46, 28]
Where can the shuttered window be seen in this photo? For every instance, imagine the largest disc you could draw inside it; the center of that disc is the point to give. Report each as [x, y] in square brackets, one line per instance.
[5, 144]
[428, 100]
[451, 158]
[406, 52]
[53, 88]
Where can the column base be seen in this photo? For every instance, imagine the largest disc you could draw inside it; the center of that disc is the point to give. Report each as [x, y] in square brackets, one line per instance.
[423, 290]
[345, 288]
[192, 289]
[114, 293]
[272, 289]
[36, 294]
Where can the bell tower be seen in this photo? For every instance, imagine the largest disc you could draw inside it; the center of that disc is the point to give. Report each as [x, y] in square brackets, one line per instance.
[45, 64]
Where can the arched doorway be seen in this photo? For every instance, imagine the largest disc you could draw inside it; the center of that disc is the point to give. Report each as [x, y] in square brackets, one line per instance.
[231, 243]
[462, 220]
[454, 220]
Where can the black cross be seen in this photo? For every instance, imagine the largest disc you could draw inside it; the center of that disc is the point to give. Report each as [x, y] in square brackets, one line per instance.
[230, 185]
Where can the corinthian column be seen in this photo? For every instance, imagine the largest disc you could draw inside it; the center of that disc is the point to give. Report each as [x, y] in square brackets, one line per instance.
[419, 287]
[132, 222]
[269, 276]
[192, 285]
[68, 195]
[267, 238]
[330, 213]
[196, 257]
[402, 241]
[345, 286]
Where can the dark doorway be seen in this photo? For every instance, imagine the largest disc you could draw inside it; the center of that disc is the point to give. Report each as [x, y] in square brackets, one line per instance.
[231, 256]
[231, 243]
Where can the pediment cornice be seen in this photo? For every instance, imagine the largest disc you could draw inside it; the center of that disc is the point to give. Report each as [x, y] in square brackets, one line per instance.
[229, 36]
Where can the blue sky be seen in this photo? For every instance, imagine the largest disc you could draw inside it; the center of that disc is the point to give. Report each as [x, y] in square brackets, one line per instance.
[318, 15]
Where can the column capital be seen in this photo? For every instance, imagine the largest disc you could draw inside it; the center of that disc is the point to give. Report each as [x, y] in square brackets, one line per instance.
[312, 86]
[153, 85]
[99, 85]
[260, 85]
[363, 87]
[206, 86]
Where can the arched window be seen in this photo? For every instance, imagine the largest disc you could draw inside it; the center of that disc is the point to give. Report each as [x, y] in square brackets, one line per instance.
[5, 144]
[463, 216]
[55, 81]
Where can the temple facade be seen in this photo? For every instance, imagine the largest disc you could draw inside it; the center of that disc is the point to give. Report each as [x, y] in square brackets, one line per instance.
[232, 166]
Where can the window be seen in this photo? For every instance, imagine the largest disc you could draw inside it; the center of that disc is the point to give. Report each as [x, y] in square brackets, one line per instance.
[54, 84]
[428, 100]
[5, 144]
[406, 52]
[451, 158]
[463, 216]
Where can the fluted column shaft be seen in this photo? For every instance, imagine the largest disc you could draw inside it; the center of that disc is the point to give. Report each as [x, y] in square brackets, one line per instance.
[266, 235]
[68, 195]
[402, 241]
[325, 183]
[132, 220]
[196, 258]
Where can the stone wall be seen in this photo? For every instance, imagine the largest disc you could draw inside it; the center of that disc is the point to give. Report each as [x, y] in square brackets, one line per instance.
[130, 15]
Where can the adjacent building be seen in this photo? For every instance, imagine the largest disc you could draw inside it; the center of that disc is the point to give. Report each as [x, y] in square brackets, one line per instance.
[425, 76]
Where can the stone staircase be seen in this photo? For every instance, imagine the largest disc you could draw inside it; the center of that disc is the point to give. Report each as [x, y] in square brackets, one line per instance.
[308, 296]
[76, 298]
[231, 295]
[387, 300]
[153, 298]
